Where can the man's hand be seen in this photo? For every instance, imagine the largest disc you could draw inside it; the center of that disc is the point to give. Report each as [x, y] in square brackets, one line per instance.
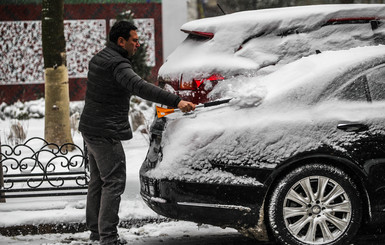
[186, 106]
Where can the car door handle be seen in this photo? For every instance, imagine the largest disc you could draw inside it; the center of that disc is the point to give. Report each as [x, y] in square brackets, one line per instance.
[352, 127]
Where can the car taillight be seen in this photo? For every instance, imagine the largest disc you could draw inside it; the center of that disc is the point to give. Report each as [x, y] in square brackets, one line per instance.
[208, 35]
[194, 84]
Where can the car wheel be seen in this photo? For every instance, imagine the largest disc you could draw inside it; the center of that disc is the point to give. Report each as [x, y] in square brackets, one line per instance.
[314, 204]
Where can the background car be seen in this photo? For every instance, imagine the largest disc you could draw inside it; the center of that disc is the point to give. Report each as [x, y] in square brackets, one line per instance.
[297, 156]
[258, 42]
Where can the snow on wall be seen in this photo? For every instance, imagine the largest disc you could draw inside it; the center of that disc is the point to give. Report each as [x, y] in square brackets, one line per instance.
[21, 48]
[21, 52]
[146, 32]
[84, 38]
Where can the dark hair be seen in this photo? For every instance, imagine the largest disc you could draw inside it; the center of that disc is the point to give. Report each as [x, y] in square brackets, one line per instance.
[121, 29]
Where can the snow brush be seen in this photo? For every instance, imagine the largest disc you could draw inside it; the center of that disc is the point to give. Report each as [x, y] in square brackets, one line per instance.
[161, 112]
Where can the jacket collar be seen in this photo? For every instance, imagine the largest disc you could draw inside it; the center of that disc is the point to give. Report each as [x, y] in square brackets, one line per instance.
[118, 49]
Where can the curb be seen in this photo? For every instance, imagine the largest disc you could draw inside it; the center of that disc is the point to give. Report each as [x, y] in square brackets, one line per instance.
[71, 227]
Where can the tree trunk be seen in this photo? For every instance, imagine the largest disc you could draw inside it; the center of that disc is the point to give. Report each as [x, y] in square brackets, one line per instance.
[57, 115]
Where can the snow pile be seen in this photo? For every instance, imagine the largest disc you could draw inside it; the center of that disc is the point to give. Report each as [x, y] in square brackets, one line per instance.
[285, 122]
[36, 108]
[181, 229]
[55, 210]
[42, 212]
[259, 42]
[30, 109]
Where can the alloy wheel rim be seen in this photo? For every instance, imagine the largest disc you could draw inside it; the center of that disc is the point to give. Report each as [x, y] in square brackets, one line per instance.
[317, 210]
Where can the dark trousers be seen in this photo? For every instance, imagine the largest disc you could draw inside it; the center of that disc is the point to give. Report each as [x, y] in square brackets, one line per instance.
[107, 182]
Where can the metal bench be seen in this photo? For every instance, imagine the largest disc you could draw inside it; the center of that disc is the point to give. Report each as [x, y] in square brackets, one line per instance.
[37, 168]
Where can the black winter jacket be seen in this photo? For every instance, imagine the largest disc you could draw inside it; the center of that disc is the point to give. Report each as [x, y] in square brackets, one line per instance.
[111, 82]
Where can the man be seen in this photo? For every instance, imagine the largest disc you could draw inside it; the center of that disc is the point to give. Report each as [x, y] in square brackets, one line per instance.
[104, 123]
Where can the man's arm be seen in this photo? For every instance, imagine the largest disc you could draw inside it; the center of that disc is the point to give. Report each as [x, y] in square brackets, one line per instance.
[124, 75]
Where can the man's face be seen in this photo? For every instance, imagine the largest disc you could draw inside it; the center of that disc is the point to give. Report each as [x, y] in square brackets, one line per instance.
[131, 45]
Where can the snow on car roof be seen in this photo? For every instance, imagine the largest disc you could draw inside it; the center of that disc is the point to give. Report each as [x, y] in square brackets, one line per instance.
[241, 134]
[228, 53]
[243, 24]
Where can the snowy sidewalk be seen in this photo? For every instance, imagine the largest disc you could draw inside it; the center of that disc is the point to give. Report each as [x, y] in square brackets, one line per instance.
[62, 214]
[35, 211]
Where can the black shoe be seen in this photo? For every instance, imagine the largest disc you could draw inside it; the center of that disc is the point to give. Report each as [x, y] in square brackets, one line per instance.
[118, 241]
[121, 241]
[94, 237]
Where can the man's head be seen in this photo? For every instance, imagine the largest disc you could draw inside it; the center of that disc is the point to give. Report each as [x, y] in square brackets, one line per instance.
[123, 33]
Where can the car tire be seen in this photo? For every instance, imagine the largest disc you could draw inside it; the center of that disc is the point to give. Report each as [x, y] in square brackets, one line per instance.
[314, 204]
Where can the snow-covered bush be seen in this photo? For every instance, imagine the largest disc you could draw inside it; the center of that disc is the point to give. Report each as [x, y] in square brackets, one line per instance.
[23, 110]
[141, 112]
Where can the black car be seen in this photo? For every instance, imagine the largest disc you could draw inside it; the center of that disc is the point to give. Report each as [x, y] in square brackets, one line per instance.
[303, 163]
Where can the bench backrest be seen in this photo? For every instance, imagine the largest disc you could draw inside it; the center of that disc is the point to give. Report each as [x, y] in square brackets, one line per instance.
[38, 168]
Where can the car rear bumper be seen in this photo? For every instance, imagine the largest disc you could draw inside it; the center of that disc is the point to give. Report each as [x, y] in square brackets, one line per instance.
[222, 205]
[231, 205]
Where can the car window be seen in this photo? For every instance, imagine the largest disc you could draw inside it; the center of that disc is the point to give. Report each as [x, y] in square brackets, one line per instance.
[376, 81]
[197, 38]
[356, 90]
[294, 43]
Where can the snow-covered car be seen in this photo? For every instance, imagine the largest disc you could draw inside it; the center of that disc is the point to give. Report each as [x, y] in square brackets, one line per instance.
[258, 42]
[298, 155]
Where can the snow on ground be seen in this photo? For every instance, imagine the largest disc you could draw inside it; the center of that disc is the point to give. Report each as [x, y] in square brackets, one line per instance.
[51, 210]
[167, 230]
[71, 209]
